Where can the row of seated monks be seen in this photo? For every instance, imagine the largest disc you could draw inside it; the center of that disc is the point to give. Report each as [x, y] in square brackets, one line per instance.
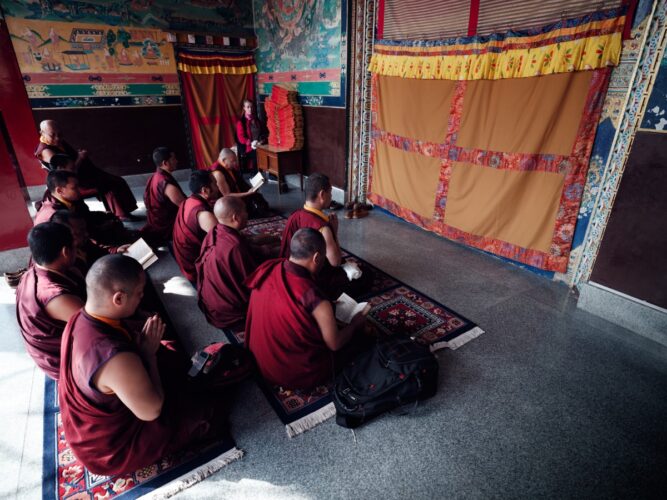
[126, 399]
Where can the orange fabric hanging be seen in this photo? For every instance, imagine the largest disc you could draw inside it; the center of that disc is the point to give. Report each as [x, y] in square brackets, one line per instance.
[213, 99]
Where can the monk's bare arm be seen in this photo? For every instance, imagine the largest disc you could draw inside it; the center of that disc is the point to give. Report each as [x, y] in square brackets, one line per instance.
[333, 250]
[63, 307]
[125, 375]
[174, 194]
[206, 220]
[223, 187]
[47, 154]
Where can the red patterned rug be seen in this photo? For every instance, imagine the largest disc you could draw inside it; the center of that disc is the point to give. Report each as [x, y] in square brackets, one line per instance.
[396, 309]
[65, 477]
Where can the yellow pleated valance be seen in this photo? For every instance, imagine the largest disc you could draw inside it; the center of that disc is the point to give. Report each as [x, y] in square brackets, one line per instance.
[589, 42]
[215, 64]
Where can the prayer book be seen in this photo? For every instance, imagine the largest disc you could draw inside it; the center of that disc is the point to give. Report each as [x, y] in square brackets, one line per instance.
[142, 253]
[256, 182]
[347, 308]
[352, 270]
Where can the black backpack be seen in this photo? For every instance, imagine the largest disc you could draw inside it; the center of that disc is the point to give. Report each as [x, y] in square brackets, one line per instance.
[396, 372]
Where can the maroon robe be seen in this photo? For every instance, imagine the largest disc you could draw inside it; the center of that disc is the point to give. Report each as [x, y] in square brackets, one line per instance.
[42, 333]
[188, 234]
[332, 280]
[102, 432]
[281, 331]
[50, 204]
[160, 210]
[223, 265]
[113, 189]
[256, 204]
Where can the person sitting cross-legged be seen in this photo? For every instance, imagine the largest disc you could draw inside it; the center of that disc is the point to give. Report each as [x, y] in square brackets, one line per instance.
[227, 174]
[291, 329]
[162, 197]
[225, 261]
[194, 220]
[125, 398]
[49, 293]
[332, 278]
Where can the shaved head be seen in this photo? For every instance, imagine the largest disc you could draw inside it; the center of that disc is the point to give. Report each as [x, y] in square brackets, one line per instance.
[110, 274]
[306, 242]
[228, 206]
[48, 125]
[226, 153]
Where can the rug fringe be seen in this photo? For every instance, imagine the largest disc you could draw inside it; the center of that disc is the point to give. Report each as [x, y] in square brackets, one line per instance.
[457, 342]
[194, 476]
[309, 421]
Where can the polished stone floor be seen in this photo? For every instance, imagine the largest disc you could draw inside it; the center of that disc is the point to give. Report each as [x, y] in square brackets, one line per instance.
[550, 402]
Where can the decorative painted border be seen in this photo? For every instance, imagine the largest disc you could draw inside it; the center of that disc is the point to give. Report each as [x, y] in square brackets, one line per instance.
[655, 38]
[362, 41]
[104, 102]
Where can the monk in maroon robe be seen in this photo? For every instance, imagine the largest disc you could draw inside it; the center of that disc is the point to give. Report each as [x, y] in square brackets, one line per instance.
[125, 399]
[331, 279]
[291, 328]
[162, 197]
[230, 181]
[194, 220]
[50, 292]
[113, 189]
[87, 250]
[223, 265]
[63, 194]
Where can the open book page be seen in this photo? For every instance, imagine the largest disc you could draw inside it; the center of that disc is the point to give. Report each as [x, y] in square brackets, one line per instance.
[347, 308]
[256, 182]
[142, 253]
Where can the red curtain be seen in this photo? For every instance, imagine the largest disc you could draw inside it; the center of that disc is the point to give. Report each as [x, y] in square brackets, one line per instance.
[214, 88]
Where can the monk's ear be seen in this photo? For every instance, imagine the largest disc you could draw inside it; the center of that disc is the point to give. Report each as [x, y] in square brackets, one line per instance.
[118, 298]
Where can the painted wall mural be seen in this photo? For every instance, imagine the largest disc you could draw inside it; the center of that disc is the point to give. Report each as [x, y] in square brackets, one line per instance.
[303, 46]
[80, 64]
[214, 16]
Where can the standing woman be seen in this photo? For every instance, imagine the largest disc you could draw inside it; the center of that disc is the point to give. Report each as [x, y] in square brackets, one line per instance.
[249, 134]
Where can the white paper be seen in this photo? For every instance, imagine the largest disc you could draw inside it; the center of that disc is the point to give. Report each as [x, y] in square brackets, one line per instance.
[352, 270]
[142, 253]
[347, 308]
[256, 182]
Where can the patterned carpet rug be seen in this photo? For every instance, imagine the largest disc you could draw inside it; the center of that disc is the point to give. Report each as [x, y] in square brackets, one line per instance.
[397, 309]
[65, 477]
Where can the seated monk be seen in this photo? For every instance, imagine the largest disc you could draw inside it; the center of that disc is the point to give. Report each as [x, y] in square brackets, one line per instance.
[224, 263]
[331, 279]
[162, 197]
[63, 194]
[125, 398]
[291, 328]
[194, 219]
[115, 192]
[63, 162]
[87, 251]
[227, 174]
[50, 292]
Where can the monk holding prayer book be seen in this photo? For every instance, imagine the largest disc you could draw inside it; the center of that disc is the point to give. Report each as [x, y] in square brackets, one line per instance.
[291, 327]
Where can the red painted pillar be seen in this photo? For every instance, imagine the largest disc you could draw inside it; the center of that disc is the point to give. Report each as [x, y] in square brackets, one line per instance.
[18, 127]
[15, 109]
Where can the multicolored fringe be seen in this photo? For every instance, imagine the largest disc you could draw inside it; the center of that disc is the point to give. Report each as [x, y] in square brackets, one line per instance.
[589, 42]
[216, 64]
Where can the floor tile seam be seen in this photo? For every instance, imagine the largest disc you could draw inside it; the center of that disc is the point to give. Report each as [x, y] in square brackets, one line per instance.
[25, 431]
